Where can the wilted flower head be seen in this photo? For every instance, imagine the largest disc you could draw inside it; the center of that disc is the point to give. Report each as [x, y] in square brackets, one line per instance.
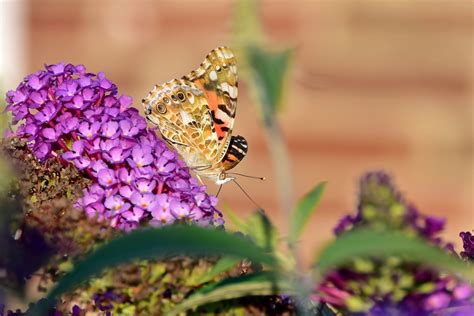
[468, 245]
[381, 205]
[392, 286]
[67, 113]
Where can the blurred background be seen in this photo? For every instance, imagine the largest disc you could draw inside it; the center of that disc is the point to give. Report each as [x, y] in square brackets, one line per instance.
[373, 85]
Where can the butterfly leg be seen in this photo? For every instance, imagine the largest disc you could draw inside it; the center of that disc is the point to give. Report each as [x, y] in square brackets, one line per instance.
[200, 168]
[199, 178]
[219, 191]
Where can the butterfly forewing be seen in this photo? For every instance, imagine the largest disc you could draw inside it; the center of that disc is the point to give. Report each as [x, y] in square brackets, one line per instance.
[217, 76]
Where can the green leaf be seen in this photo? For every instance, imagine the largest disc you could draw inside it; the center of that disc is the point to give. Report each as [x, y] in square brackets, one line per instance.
[263, 283]
[224, 264]
[367, 242]
[161, 242]
[262, 231]
[303, 211]
[324, 310]
[268, 71]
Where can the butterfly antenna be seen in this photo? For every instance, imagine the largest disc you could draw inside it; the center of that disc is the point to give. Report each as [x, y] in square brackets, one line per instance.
[247, 176]
[246, 194]
[219, 191]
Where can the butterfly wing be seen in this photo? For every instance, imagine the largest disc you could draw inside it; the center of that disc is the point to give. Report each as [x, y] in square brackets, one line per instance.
[217, 77]
[196, 114]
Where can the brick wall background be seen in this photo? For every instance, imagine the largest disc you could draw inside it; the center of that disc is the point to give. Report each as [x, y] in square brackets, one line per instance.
[375, 84]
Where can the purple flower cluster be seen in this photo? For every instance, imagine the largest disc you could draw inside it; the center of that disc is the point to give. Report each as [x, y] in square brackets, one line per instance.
[66, 113]
[393, 286]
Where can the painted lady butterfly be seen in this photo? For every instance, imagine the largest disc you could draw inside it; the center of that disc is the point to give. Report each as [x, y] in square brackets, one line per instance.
[195, 114]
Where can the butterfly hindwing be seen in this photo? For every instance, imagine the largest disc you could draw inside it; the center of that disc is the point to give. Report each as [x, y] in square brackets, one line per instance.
[180, 110]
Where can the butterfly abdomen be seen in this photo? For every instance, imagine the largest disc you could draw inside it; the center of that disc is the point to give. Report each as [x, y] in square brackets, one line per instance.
[237, 150]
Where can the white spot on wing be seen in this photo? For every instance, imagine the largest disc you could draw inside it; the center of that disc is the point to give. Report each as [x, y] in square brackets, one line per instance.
[206, 64]
[230, 89]
[233, 92]
[186, 117]
[227, 54]
[213, 75]
[225, 87]
[191, 98]
[219, 54]
[221, 115]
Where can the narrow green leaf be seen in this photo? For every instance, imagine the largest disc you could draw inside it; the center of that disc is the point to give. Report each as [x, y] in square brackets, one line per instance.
[161, 242]
[268, 70]
[263, 283]
[261, 230]
[324, 310]
[303, 211]
[224, 264]
[367, 242]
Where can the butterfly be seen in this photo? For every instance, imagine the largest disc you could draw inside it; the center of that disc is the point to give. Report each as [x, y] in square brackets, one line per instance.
[195, 115]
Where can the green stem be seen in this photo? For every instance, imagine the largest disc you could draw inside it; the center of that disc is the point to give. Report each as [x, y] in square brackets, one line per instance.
[281, 166]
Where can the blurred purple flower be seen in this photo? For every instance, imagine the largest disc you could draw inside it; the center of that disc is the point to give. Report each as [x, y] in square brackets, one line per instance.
[436, 301]
[468, 245]
[381, 206]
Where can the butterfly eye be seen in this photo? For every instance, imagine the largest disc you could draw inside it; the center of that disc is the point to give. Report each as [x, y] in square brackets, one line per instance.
[222, 176]
[161, 108]
[147, 110]
[181, 96]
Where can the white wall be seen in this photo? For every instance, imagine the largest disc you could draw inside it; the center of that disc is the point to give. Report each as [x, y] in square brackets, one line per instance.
[12, 43]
